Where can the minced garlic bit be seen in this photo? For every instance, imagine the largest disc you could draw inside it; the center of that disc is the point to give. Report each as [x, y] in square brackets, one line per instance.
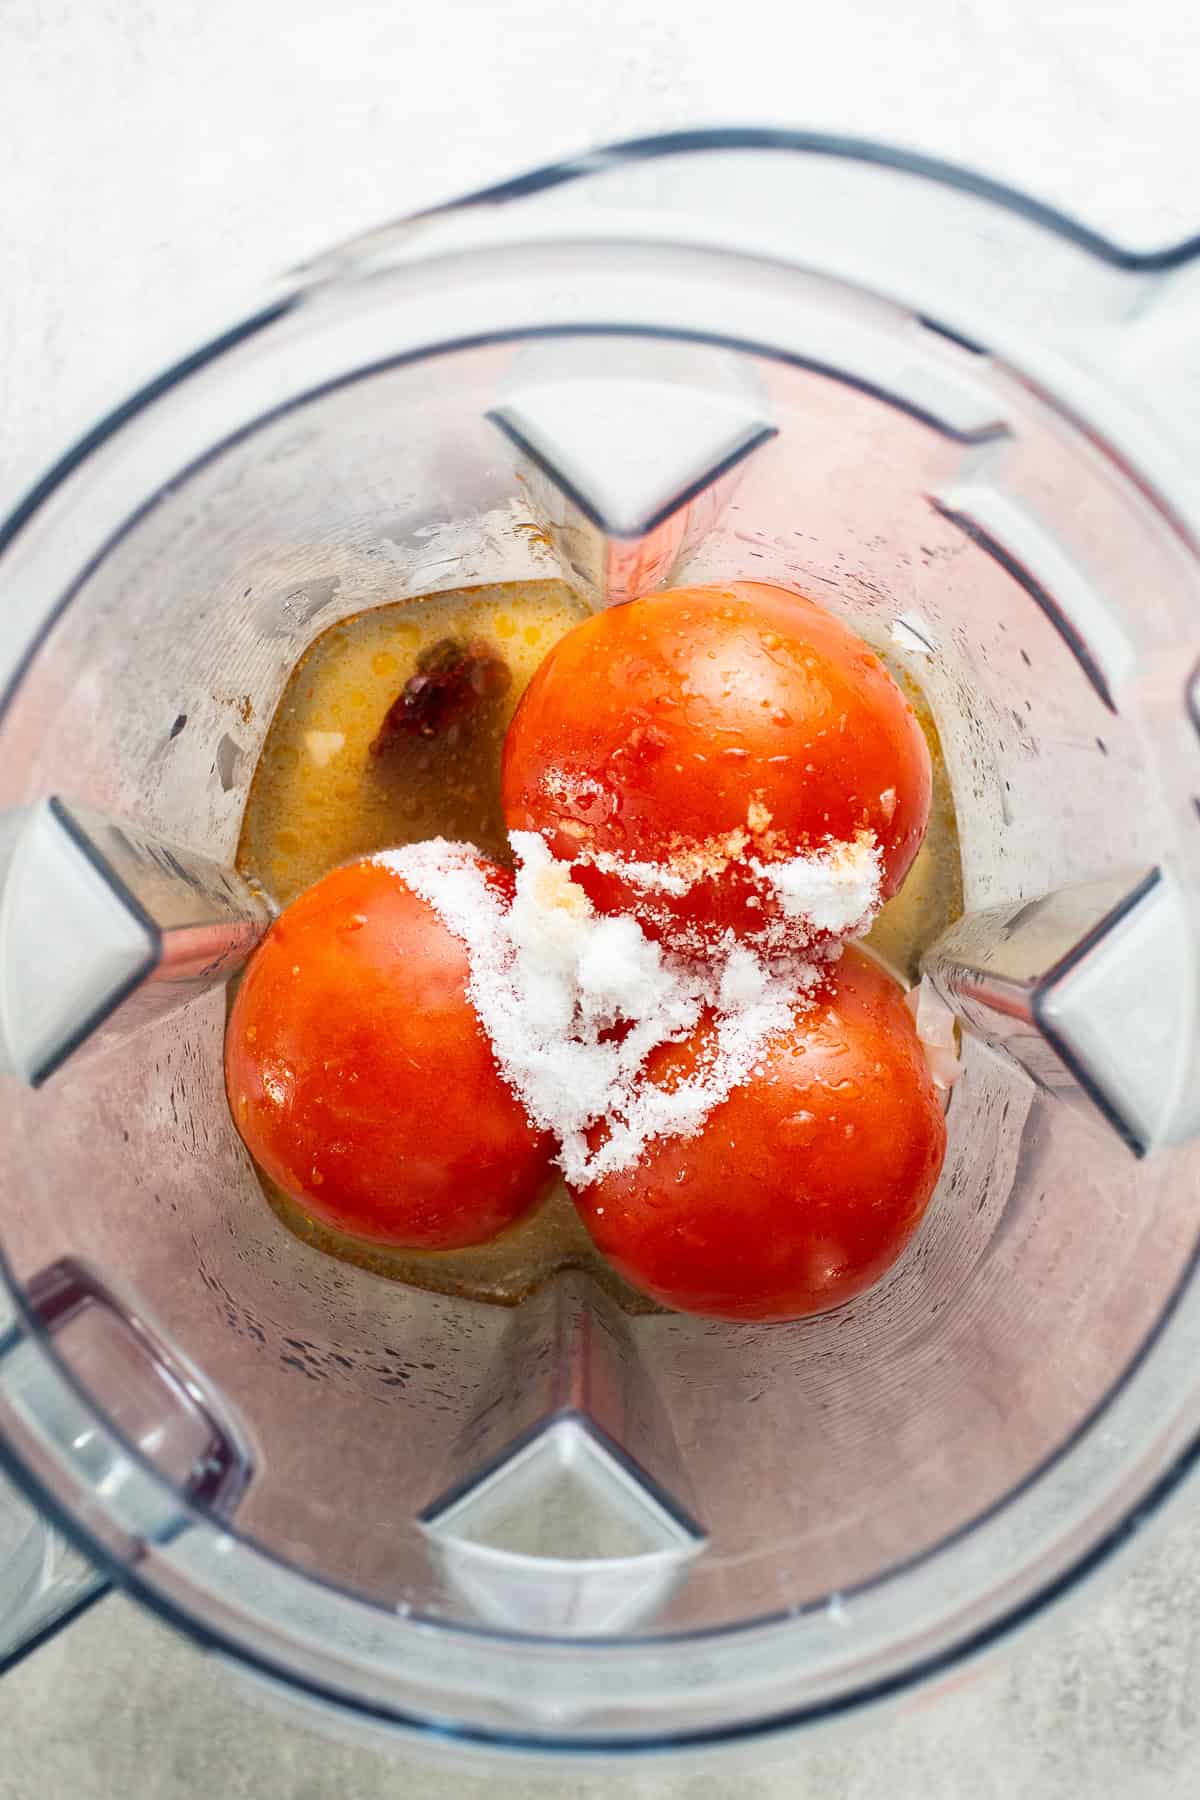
[323, 746]
[758, 819]
[937, 1031]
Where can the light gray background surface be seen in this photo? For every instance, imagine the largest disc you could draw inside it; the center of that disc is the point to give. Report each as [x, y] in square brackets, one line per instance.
[158, 159]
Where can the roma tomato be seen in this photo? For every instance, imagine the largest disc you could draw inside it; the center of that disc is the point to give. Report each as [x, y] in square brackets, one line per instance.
[665, 746]
[804, 1185]
[361, 1080]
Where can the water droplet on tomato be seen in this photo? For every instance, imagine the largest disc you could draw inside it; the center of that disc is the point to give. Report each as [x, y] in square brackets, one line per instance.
[798, 1127]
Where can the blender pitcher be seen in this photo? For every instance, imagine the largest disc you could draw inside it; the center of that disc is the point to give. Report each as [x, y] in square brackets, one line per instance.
[956, 419]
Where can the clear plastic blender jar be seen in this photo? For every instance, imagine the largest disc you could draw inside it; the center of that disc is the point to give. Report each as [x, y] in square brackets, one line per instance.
[962, 423]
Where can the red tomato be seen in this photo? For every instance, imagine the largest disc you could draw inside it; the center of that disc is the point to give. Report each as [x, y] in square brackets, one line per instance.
[361, 1079]
[711, 725]
[804, 1185]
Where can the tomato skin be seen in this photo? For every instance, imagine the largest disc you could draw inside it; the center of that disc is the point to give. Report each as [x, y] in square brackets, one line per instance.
[361, 1080]
[654, 725]
[803, 1186]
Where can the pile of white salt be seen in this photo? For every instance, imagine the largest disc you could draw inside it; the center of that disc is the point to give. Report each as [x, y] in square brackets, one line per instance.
[575, 1003]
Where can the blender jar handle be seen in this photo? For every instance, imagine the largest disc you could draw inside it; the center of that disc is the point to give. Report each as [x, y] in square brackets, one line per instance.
[145, 1443]
[45, 1582]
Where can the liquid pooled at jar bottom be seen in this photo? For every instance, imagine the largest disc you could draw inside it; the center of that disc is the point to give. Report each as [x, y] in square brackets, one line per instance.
[332, 784]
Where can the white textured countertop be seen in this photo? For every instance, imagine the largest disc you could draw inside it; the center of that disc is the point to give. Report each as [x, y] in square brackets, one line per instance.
[156, 155]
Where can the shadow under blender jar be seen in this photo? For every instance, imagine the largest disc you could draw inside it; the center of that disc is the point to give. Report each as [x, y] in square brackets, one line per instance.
[958, 422]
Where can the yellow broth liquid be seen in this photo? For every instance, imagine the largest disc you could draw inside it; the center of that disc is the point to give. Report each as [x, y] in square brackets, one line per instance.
[320, 797]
